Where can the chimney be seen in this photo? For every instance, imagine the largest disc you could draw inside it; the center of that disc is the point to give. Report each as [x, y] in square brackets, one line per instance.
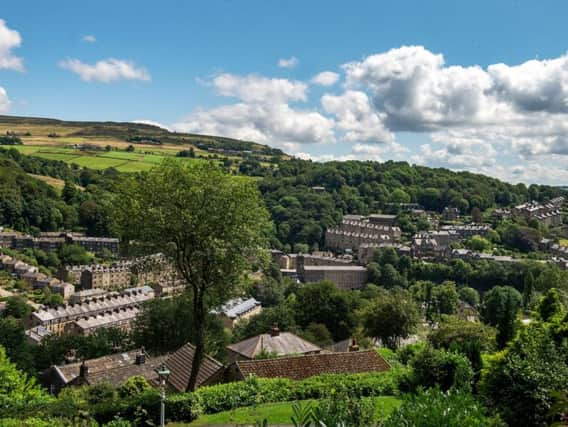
[83, 370]
[141, 357]
[70, 356]
[275, 331]
[354, 346]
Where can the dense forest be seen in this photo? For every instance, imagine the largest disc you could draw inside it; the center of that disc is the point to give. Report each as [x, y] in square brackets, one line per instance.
[300, 213]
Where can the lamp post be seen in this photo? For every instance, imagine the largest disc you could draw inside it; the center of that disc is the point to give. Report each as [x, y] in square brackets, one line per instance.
[163, 373]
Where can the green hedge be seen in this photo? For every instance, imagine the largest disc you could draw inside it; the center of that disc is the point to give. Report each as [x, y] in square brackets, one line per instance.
[90, 403]
[255, 391]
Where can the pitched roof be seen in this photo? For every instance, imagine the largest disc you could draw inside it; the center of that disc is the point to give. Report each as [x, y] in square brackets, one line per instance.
[114, 369]
[300, 367]
[237, 307]
[179, 364]
[283, 344]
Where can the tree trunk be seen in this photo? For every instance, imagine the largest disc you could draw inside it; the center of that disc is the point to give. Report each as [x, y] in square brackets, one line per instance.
[199, 324]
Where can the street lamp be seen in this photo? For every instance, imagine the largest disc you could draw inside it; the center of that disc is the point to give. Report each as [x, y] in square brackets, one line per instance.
[163, 372]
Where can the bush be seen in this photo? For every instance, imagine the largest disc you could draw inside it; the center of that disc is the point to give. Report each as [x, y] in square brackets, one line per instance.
[254, 391]
[433, 408]
[134, 386]
[440, 368]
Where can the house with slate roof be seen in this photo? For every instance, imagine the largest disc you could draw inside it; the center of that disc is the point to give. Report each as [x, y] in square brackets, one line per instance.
[276, 343]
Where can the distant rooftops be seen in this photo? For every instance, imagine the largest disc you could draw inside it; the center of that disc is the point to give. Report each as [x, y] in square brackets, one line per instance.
[237, 307]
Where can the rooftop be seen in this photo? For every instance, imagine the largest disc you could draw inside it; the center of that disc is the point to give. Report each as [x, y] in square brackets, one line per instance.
[237, 307]
[284, 343]
[300, 367]
[114, 369]
[179, 364]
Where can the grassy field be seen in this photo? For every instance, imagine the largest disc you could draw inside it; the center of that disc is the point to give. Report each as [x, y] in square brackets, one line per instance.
[123, 161]
[276, 413]
[57, 140]
[563, 242]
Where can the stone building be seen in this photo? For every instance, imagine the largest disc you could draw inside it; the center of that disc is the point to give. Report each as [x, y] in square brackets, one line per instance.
[235, 310]
[355, 230]
[548, 214]
[344, 274]
[100, 277]
[450, 213]
[56, 320]
[119, 318]
[53, 241]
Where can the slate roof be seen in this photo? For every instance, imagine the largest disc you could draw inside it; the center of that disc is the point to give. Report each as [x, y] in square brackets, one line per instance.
[106, 303]
[237, 307]
[300, 367]
[179, 364]
[283, 344]
[114, 369]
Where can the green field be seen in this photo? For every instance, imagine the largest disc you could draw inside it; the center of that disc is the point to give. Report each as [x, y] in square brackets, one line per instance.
[123, 161]
[276, 413]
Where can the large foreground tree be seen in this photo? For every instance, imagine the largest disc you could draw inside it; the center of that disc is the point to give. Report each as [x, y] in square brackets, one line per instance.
[212, 226]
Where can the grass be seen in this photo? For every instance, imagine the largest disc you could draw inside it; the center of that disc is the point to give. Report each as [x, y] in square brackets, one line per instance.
[142, 158]
[276, 413]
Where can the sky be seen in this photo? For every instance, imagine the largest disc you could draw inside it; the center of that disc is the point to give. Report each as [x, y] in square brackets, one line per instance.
[479, 86]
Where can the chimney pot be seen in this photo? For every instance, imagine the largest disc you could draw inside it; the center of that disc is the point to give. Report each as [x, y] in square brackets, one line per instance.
[140, 358]
[83, 370]
[275, 331]
[354, 346]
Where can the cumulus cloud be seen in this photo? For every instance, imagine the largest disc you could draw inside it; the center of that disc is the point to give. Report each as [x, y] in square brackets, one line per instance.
[325, 78]
[258, 89]
[262, 113]
[356, 118]
[288, 62]
[106, 71]
[9, 39]
[4, 101]
[89, 38]
[275, 124]
[474, 115]
[417, 92]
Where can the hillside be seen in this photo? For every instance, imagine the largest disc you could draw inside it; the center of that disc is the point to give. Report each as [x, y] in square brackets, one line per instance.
[127, 147]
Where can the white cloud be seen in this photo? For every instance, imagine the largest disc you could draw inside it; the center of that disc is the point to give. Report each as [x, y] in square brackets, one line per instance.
[417, 92]
[275, 124]
[356, 118]
[106, 71]
[288, 62]
[9, 39]
[152, 123]
[89, 38]
[4, 101]
[258, 89]
[457, 156]
[325, 78]
[262, 113]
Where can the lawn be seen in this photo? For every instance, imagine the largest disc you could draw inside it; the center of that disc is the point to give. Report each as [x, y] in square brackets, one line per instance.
[276, 413]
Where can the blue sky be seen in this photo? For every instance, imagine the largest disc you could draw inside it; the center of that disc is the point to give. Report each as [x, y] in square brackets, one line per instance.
[416, 80]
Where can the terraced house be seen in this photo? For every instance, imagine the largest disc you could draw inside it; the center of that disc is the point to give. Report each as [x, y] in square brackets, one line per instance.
[114, 309]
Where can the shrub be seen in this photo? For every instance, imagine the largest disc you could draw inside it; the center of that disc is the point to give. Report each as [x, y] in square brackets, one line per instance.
[520, 382]
[254, 391]
[134, 386]
[433, 408]
[440, 368]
